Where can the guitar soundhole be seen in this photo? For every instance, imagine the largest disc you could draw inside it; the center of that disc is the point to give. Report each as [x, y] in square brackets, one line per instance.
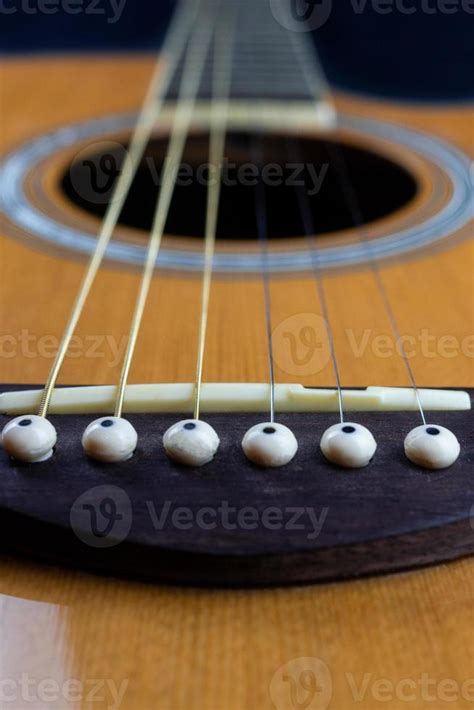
[382, 186]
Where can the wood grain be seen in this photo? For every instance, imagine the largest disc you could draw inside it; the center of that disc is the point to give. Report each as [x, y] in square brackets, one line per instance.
[182, 649]
[422, 288]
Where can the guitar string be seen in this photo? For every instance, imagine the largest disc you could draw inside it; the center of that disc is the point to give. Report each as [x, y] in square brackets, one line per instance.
[353, 204]
[307, 220]
[358, 221]
[262, 230]
[221, 88]
[163, 73]
[196, 55]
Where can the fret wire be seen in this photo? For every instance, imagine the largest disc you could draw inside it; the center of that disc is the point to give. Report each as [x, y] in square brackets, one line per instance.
[154, 100]
[262, 228]
[358, 221]
[196, 54]
[223, 53]
[265, 56]
[310, 232]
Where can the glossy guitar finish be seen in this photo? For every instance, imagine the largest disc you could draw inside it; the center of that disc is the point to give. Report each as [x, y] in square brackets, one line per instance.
[420, 622]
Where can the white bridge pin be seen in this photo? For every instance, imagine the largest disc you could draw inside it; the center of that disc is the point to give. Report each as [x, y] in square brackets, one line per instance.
[191, 442]
[348, 445]
[110, 440]
[270, 445]
[29, 438]
[432, 446]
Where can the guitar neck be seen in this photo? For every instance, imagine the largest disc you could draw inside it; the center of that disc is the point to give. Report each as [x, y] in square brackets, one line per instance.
[270, 63]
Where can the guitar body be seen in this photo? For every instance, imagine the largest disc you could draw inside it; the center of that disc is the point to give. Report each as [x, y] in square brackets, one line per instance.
[180, 648]
[421, 286]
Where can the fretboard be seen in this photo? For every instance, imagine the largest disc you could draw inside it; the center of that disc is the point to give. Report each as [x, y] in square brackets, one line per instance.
[269, 63]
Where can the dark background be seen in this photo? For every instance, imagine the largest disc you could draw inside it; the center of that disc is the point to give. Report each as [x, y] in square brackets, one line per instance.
[425, 55]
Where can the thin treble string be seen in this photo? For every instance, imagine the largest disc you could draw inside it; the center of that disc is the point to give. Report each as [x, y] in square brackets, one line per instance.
[221, 86]
[357, 219]
[262, 228]
[196, 55]
[310, 232]
[165, 67]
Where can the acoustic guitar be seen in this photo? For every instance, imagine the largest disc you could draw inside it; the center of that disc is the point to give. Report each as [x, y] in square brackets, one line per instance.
[236, 351]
